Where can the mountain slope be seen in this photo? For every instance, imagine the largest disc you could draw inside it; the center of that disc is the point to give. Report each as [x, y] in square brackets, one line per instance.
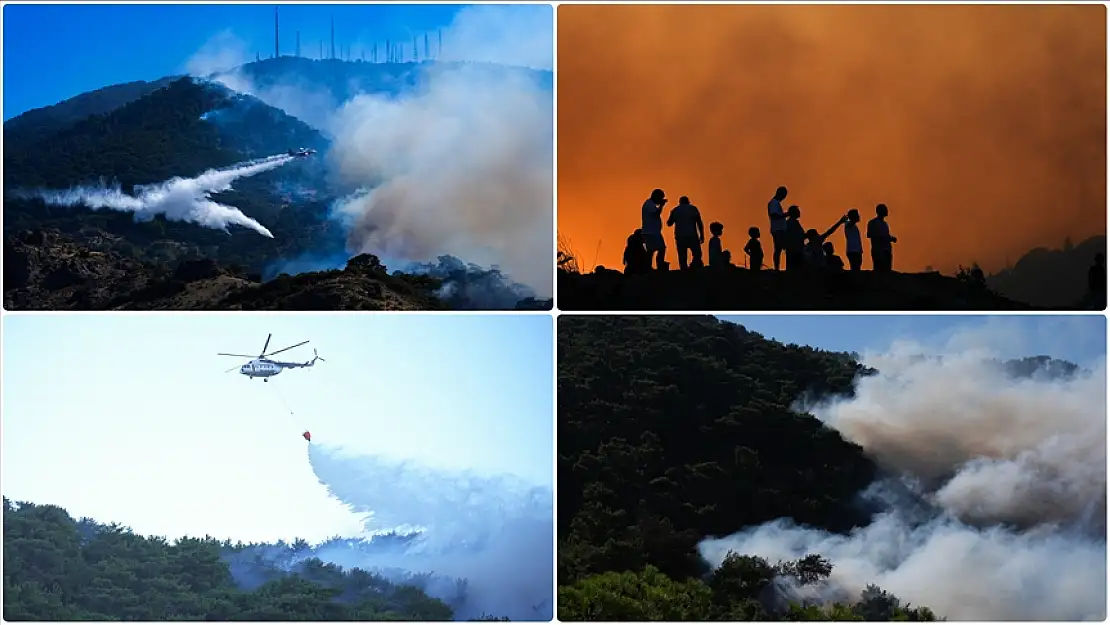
[39, 123]
[1051, 278]
[58, 568]
[672, 429]
[676, 432]
[155, 137]
[182, 130]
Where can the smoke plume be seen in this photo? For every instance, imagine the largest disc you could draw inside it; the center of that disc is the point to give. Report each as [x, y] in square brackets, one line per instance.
[995, 495]
[462, 166]
[496, 533]
[177, 199]
[976, 115]
[459, 165]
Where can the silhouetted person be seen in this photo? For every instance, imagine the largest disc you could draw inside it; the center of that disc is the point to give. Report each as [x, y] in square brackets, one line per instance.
[1096, 282]
[853, 242]
[815, 246]
[778, 225]
[878, 230]
[832, 261]
[636, 257]
[717, 257]
[754, 250]
[794, 239]
[652, 227]
[689, 231]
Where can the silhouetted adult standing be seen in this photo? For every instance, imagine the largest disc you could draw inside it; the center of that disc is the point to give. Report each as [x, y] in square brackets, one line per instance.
[794, 239]
[689, 231]
[1096, 282]
[853, 242]
[778, 225]
[652, 226]
[878, 230]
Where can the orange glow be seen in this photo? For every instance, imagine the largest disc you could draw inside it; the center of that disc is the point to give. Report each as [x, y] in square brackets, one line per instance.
[982, 127]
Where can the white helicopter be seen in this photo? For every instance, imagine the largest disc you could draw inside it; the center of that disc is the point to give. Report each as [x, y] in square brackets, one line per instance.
[263, 367]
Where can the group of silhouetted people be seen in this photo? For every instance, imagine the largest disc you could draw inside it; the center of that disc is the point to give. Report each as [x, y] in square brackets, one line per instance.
[803, 249]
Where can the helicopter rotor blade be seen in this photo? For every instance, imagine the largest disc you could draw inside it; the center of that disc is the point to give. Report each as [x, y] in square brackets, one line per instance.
[284, 349]
[263, 352]
[237, 355]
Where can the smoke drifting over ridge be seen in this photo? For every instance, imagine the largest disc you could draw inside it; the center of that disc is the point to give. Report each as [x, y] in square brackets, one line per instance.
[493, 532]
[995, 504]
[177, 199]
[461, 165]
[465, 168]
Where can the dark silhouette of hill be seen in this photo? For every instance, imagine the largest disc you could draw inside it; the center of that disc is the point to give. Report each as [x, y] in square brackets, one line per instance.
[58, 568]
[672, 429]
[342, 80]
[1055, 278]
[737, 288]
[36, 124]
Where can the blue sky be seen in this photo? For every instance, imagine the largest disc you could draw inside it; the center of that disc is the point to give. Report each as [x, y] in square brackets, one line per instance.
[1078, 338]
[54, 52]
[132, 418]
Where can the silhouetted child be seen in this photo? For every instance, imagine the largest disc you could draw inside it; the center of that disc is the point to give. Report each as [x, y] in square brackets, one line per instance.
[794, 239]
[754, 250]
[815, 246]
[636, 257]
[716, 254]
[853, 242]
[832, 261]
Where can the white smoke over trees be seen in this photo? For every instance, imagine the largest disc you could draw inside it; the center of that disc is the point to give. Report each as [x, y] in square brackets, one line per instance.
[461, 165]
[995, 496]
[177, 199]
[494, 532]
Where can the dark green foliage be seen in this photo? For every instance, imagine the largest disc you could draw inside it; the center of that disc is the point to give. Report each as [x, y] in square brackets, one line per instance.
[673, 429]
[159, 136]
[56, 568]
[38, 123]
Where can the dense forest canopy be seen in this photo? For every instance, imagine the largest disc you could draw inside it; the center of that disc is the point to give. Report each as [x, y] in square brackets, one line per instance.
[58, 568]
[677, 430]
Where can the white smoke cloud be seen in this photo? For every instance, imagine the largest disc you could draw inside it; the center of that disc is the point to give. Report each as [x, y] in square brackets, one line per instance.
[461, 167]
[224, 52]
[496, 532]
[1014, 468]
[506, 34]
[178, 199]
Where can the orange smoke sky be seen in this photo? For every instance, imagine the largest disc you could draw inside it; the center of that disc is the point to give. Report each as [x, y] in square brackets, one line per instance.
[982, 127]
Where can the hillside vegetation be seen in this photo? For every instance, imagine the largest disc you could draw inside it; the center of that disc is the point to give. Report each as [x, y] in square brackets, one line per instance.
[672, 429]
[60, 569]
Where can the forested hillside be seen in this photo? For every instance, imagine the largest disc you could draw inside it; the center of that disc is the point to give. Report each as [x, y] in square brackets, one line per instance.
[672, 429]
[60, 569]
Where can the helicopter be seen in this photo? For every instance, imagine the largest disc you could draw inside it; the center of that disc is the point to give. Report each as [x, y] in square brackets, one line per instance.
[262, 366]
